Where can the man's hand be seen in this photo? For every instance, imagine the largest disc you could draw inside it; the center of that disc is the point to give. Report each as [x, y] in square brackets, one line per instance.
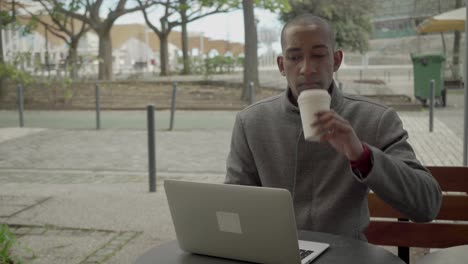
[339, 133]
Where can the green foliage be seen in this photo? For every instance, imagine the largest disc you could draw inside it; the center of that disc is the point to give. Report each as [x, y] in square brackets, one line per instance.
[220, 64]
[4, 16]
[271, 5]
[274, 5]
[351, 22]
[11, 73]
[7, 242]
[215, 65]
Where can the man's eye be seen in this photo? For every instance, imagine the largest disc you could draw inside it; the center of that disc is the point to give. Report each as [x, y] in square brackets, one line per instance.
[294, 57]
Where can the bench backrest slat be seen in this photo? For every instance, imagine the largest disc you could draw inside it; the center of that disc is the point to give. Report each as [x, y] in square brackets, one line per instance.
[407, 234]
[451, 179]
[438, 234]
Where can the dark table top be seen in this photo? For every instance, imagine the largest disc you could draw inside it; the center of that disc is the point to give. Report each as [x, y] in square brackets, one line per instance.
[341, 250]
[450, 255]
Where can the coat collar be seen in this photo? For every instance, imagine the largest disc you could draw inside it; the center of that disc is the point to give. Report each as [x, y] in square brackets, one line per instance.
[289, 107]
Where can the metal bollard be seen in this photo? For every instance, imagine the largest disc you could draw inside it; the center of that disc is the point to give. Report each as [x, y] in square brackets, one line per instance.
[151, 148]
[173, 105]
[98, 107]
[340, 85]
[251, 93]
[431, 106]
[20, 104]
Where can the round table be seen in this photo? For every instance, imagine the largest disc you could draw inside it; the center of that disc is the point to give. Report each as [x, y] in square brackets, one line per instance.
[341, 250]
[458, 254]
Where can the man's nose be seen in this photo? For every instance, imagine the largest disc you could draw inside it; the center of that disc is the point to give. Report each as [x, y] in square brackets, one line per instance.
[308, 66]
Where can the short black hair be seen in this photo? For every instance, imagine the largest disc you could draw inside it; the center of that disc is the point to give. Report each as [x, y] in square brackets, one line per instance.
[309, 19]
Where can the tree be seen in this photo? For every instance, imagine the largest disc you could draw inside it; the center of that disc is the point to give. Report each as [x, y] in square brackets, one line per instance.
[250, 38]
[102, 26]
[189, 11]
[456, 49]
[251, 58]
[7, 16]
[64, 27]
[351, 21]
[163, 32]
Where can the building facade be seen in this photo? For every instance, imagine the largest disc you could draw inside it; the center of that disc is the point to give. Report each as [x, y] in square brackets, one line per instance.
[399, 18]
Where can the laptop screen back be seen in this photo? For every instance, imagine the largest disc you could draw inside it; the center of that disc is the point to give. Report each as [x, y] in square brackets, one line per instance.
[232, 221]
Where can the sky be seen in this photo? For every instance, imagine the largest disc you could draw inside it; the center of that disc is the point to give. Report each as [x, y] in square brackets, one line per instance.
[227, 26]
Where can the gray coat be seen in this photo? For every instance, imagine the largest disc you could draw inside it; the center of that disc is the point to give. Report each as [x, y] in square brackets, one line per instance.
[268, 149]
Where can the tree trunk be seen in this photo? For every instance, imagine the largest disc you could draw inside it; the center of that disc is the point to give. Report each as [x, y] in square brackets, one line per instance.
[456, 49]
[105, 55]
[185, 55]
[164, 53]
[2, 61]
[47, 55]
[444, 46]
[251, 60]
[72, 60]
[456, 56]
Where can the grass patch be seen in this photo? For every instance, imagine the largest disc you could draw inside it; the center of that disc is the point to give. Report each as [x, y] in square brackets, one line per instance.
[7, 243]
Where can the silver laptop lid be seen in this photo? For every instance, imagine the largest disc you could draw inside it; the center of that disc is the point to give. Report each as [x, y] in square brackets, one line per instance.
[232, 221]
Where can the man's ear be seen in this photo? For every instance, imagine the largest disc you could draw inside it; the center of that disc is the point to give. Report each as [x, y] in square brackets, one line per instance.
[279, 61]
[337, 59]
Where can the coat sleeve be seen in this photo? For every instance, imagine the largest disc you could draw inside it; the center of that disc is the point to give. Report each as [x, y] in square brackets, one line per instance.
[397, 177]
[241, 168]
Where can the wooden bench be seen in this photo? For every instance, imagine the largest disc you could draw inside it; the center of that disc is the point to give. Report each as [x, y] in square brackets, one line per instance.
[394, 229]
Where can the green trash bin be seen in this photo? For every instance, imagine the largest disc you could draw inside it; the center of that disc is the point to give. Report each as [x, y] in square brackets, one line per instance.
[426, 68]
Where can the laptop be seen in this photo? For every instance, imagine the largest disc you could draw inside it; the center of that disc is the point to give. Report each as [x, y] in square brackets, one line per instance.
[247, 223]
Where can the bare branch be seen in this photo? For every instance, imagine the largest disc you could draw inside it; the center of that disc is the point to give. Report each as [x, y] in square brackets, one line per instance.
[11, 18]
[55, 31]
[63, 24]
[121, 5]
[148, 22]
[217, 10]
[83, 18]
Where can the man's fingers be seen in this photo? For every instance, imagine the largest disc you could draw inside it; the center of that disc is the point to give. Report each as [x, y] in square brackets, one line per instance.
[330, 122]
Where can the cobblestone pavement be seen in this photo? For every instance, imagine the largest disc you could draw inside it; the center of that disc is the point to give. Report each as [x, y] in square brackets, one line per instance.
[106, 154]
[81, 196]
[100, 244]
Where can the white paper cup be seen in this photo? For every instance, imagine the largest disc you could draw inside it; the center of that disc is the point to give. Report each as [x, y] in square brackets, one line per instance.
[310, 102]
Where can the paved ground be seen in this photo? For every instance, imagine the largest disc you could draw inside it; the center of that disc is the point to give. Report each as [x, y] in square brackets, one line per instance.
[76, 195]
[81, 196]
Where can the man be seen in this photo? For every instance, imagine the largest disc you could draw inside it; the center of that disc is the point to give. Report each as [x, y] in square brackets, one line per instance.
[364, 147]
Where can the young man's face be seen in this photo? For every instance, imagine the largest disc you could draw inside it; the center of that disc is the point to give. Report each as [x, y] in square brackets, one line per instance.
[308, 59]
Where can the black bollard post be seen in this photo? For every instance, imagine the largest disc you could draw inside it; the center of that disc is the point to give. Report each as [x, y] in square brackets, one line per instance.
[251, 93]
[20, 104]
[173, 105]
[98, 108]
[151, 149]
[431, 106]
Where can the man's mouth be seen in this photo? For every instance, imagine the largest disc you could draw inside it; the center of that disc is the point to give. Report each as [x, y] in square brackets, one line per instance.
[310, 85]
